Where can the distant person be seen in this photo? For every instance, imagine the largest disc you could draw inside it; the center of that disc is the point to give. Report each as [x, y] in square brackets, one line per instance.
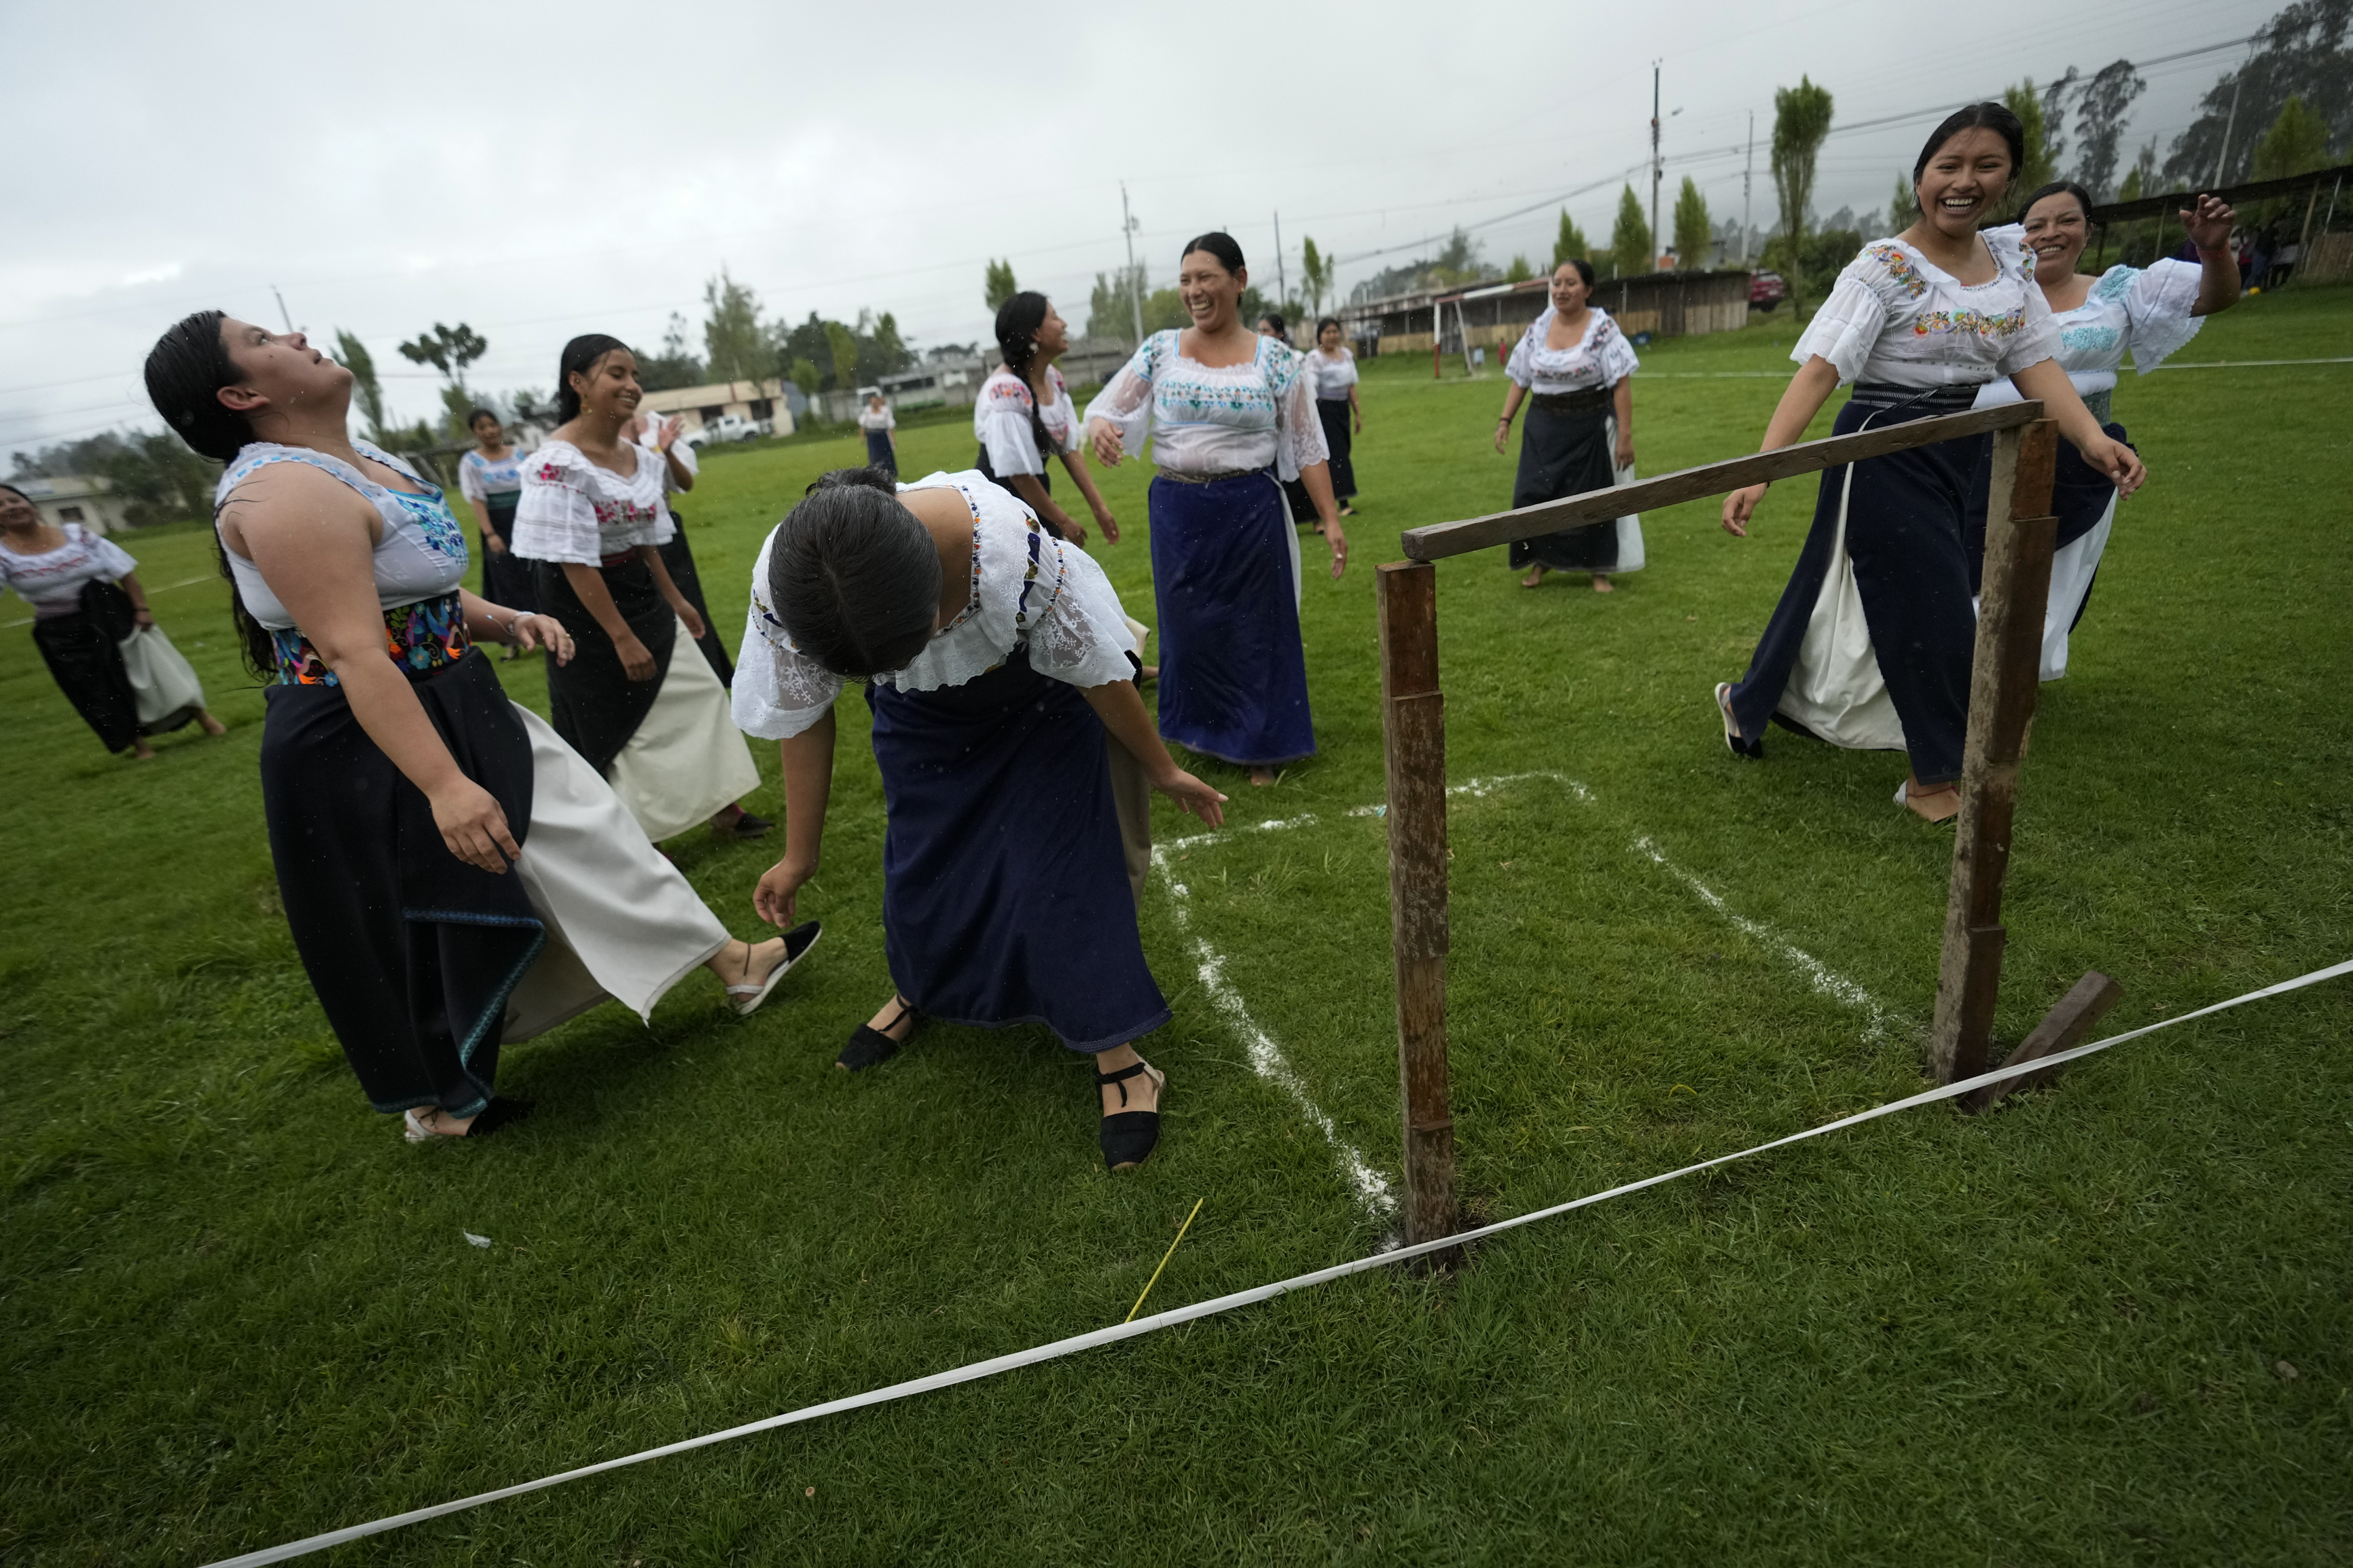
[455, 876]
[681, 468]
[2153, 313]
[997, 668]
[1295, 498]
[1578, 369]
[88, 607]
[592, 517]
[1333, 366]
[1024, 414]
[1229, 415]
[1872, 644]
[490, 478]
[882, 426]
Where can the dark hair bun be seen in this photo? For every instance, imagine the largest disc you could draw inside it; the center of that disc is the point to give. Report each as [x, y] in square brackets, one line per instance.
[854, 577]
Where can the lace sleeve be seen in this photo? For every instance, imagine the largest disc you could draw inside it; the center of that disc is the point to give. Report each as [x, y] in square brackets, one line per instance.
[1617, 356]
[1126, 403]
[1002, 423]
[554, 520]
[1517, 369]
[2158, 305]
[1299, 429]
[469, 479]
[1845, 329]
[779, 692]
[1082, 638]
[112, 560]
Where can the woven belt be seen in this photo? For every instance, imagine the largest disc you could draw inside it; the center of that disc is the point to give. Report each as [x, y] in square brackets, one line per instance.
[1208, 478]
[623, 559]
[1926, 399]
[1590, 401]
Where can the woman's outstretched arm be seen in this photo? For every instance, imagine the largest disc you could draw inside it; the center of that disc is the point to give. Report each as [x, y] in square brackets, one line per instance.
[1800, 401]
[807, 760]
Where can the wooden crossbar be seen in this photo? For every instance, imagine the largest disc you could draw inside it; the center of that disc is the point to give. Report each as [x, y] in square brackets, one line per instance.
[1437, 540]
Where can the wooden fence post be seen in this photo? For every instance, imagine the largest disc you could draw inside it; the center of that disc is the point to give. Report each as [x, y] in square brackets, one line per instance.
[2004, 675]
[1413, 727]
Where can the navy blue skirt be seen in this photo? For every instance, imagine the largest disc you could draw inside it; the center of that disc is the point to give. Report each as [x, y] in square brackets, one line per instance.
[1903, 515]
[2080, 495]
[1233, 674]
[1004, 893]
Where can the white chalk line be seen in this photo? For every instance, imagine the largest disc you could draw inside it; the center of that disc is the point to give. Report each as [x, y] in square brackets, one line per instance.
[1176, 1315]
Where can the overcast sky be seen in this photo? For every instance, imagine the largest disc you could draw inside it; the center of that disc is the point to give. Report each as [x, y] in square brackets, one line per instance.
[539, 171]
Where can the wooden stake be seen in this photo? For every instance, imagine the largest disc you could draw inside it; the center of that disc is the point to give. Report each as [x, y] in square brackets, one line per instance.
[2061, 1029]
[1413, 725]
[2004, 675]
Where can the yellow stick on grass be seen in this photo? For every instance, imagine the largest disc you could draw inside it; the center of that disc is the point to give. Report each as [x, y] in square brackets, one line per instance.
[1149, 1284]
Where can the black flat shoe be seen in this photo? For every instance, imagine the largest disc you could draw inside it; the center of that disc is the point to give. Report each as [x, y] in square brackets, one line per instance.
[744, 825]
[1128, 1137]
[869, 1046]
[1738, 743]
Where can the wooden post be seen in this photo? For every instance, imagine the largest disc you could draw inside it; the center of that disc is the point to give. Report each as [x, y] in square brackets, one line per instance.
[2004, 675]
[2061, 1029]
[1413, 727]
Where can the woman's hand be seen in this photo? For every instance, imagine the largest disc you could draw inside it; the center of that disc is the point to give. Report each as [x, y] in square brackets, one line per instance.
[637, 663]
[1338, 541]
[542, 631]
[1108, 524]
[497, 545]
[779, 888]
[2210, 226]
[1503, 434]
[1104, 438]
[1625, 448]
[667, 432]
[473, 825]
[2119, 462]
[1190, 794]
[1358, 414]
[693, 619]
[143, 617]
[1739, 507]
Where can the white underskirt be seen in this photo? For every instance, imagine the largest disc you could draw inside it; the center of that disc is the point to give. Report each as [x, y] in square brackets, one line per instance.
[621, 922]
[688, 761]
[2071, 567]
[1836, 691]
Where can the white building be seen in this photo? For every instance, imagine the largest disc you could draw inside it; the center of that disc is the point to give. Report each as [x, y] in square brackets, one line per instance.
[90, 502]
[699, 405]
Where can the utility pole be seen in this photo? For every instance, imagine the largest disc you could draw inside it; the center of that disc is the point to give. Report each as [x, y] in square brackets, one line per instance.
[2229, 125]
[281, 309]
[1747, 178]
[1658, 171]
[1134, 282]
[1282, 278]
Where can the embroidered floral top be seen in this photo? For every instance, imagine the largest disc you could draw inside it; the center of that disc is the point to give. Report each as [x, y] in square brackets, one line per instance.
[1026, 589]
[2146, 310]
[571, 510]
[418, 565]
[480, 478]
[1221, 420]
[420, 555]
[1601, 358]
[1000, 418]
[52, 581]
[1332, 373]
[1896, 316]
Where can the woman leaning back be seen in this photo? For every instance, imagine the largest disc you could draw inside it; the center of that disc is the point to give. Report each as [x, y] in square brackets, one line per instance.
[455, 876]
[2152, 313]
[1580, 370]
[997, 664]
[1228, 414]
[85, 598]
[1870, 644]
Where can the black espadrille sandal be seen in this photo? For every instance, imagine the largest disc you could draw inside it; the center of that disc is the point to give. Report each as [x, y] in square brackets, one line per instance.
[1128, 1137]
[869, 1046]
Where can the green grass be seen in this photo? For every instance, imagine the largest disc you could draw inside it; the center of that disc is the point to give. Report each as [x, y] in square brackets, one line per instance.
[239, 1310]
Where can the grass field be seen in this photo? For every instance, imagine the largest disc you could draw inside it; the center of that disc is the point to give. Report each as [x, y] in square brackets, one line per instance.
[2110, 1324]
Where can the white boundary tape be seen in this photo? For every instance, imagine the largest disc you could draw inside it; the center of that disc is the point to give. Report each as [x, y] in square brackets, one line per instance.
[1176, 1315]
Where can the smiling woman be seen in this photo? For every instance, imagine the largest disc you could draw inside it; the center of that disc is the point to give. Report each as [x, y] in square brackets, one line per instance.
[1870, 645]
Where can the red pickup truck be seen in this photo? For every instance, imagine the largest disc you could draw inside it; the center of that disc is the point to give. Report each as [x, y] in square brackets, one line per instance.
[1765, 290]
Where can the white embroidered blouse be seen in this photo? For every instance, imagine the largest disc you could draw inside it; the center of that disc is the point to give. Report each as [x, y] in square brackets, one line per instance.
[1332, 373]
[422, 552]
[479, 478]
[1601, 358]
[1223, 420]
[1000, 418]
[1027, 588]
[52, 581]
[2145, 310]
[571, 510]
[1896, 316]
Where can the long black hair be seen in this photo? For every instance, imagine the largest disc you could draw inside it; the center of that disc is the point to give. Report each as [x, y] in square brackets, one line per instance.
[1993, 117]
[1281, 328]
[580, 355]
[20, 495]
[854, 577]
[186, 370]
[1218, 243]
[1018, 321]
[2059, 187]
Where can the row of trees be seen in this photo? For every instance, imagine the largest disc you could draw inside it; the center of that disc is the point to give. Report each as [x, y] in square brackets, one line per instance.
[738, 345]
